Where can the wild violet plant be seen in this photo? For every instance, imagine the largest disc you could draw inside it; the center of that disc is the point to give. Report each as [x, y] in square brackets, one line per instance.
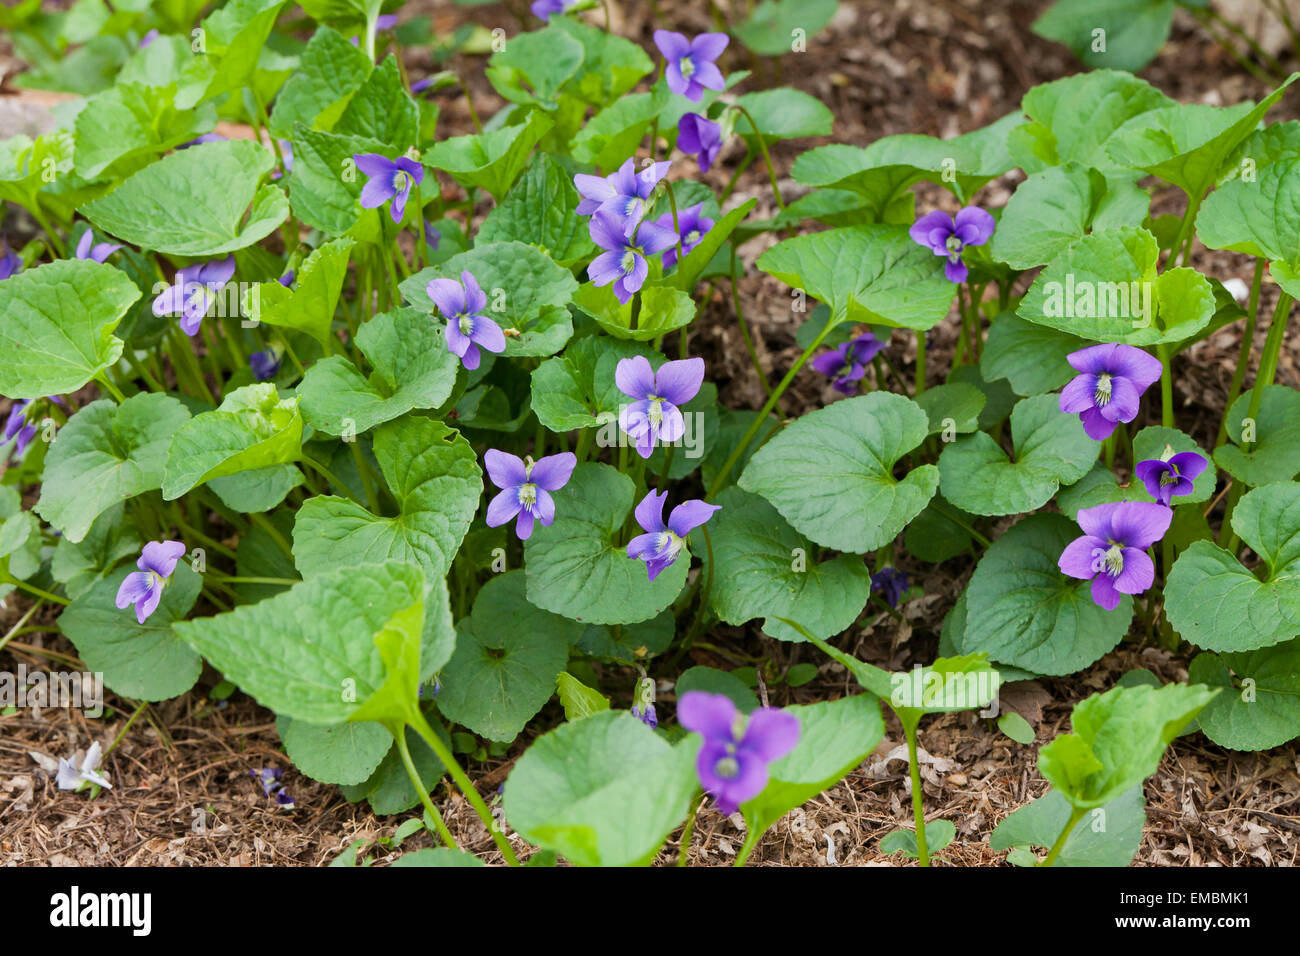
[413, 405]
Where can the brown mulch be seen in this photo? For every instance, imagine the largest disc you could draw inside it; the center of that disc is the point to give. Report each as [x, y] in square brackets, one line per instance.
[182, 791]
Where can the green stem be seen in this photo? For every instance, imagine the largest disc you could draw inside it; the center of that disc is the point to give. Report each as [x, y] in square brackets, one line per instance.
[920, 363]
[1166, 388]
[1076, 814]
[689, 831]
[444, 754]
[122, 733]
[1243, 357]
[272, 532]
[18, 627]
[725, 471]
[762, 145]
[103, 379]
[33, 589]
[744, 328]
[1272, 349]
[399, 735]
[330, 477]
[918, 807]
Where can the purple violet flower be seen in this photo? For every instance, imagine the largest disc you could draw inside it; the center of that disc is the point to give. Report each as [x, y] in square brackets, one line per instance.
[737, 750]
[691, 69]
[700, 137]
[1171, 474]
[286, 280]
[462, 304]
[144, 588]
[419, 86]
[264, 364]
[525, 488]
[890, 583]
[662, 544]
[947, 236]
[286, 156]
[147, 39]
[621, 195]
[691, 227]
[269, 778]
[195, 290]
[646, 714]
[1112, 551]
[655, 414]
[204, 138]
[17, 424]
[96, 252]
[10, 262]
[545, 9]
[1109, 386]
[385, 21]
[432, 236]
[624, 260]
[389, 179]
[846, 364]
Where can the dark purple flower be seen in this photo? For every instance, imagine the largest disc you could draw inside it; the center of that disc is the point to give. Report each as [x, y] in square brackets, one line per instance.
[144, 42]
[270, 780]
[16, 425]
[286, 280]
[195, 290]
[847, 363]
[655, 414]
[264, 364]
[389, 179]
[433, 691]
[701, 137]
[525, 488]
[1170, 475]
[461, 304]
[1112, 552]
[10, 262]
[890, 583]
[1109, 386]
[946, 236]
[691, 69]
[621, 195]
[419, 86]
[144, 588]
[431, 235]
[624, 260]
[662, 544]
[646, 714]
[19, 427]
[205, 138]
[691, 227]
[87, 248]
[545, 9]
[737, 750]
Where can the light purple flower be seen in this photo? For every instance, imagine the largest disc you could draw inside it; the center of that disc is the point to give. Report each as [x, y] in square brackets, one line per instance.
[655, 414]
[621, 195]
[205, 138]
[624, 260]
[148, 38]
[691, 227]
[432, 236]
[545, 9]
[1109, 386]
[195, 290]
[264, 364]
[462, 304]
[733, 762]
[389, 179]
[947, 236]
[10, 262]
[662, 544]
[144, 588]
[73, 775]
[419, 86]
[525, 488]
[847, 363]
[890, 583]
[1112, 552]
[691, 69]
[87, 248]
[646, 714]
[700, 137]
[1170, 475]
[385, 21]
[286, 156]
